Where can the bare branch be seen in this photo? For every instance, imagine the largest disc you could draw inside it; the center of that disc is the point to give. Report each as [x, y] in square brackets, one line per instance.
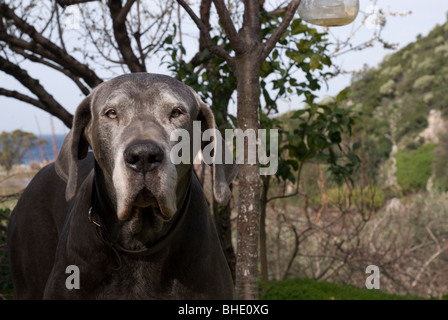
[66, 3]
[205, 35]
[34, 58]
[22, 97]
[41, 56]
[277, 12]
[125, 10]
[48, 103]
[60, 31]
[118, 14]
[202, 27]
[275, 37]
[229, 27]
[295, 249]
[46, 48]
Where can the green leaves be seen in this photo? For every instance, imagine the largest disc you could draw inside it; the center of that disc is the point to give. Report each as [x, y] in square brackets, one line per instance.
[341, 96]
[298, 27]
[317, 134]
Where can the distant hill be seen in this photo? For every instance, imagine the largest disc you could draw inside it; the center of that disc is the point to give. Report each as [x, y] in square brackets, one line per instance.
[402, 105]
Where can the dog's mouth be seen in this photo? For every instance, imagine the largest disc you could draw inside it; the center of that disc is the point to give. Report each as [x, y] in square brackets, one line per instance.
[153, 191]
[144, 199]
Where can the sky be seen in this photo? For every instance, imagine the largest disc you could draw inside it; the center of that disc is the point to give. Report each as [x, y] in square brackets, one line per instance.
[402, 30]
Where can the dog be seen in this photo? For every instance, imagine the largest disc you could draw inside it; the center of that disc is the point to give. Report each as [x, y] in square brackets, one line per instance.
[113, 217]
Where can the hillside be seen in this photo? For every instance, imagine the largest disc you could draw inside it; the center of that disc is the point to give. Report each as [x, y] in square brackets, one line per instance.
[402, 105]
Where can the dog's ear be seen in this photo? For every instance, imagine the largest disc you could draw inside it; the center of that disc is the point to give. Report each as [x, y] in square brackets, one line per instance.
[223, 172]
[74, 148]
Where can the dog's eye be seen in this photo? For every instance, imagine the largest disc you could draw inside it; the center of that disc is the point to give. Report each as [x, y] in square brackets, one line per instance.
[176, 112]
[112, 114]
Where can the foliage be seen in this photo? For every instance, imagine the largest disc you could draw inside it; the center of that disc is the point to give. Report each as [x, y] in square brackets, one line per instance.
[440, 168]
[369, 196]
[423, 82]
[388, 88]
[319, 136]
[13, 146]
[394, 99]
[308, 289]
[316, 133]
[415, 168]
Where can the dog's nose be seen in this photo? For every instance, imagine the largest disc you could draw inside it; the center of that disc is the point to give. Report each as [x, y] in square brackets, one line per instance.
[143, 157]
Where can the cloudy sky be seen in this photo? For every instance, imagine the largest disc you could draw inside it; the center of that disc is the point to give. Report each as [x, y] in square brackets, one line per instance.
[402, 30]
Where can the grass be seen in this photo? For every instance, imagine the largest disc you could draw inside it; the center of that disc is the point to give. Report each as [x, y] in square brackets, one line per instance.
[414, 169]
[309, 289]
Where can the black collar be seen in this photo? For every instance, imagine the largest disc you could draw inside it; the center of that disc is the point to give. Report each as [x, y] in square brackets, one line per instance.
[105, 236]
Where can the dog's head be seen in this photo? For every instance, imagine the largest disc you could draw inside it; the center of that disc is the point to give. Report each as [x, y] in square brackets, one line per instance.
[128, 122]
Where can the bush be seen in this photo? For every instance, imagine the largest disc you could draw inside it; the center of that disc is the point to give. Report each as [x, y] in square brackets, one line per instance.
[442, 49]
[423, 82]
[415, 168]
[388, 88]
[440, 166]
[368, 197]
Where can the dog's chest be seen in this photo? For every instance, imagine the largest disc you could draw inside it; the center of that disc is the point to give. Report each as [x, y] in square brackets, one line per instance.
[139, 279]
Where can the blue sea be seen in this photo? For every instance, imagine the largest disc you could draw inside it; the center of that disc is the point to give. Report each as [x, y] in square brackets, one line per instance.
[44, 153]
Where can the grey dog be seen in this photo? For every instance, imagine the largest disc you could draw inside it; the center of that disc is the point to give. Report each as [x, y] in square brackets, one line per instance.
[134, 225]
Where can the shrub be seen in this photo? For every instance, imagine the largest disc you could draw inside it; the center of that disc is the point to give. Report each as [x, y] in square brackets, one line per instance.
[442, 49]
[440, 166]
[367, 197]
[428, 97]
[415, 168]
[388, 88]
[423, 82]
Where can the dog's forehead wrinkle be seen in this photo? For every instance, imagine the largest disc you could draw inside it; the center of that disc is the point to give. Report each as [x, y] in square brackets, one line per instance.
[144, 92]
[173, 99]
[121, 98]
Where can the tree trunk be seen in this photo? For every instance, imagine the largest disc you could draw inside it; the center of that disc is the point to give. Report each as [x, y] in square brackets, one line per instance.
[263, 237]
[224, 229]
[247, 71]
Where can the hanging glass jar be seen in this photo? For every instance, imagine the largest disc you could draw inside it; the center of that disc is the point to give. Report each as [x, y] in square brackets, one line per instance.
[329, 13]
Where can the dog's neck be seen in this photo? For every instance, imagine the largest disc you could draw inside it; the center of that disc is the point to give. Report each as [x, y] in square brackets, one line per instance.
[145, 228]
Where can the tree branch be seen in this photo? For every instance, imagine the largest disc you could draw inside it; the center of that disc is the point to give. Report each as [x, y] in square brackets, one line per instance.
[201, 26]
[22, 97]
[40, 60]
[66, 3]
[229, 27]
[46, 48]
[47, 101]
[125, 10]
[278, 33]
[251, 21]
[60, 30]
[118, 14]
[205, 35]
[21, 47]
